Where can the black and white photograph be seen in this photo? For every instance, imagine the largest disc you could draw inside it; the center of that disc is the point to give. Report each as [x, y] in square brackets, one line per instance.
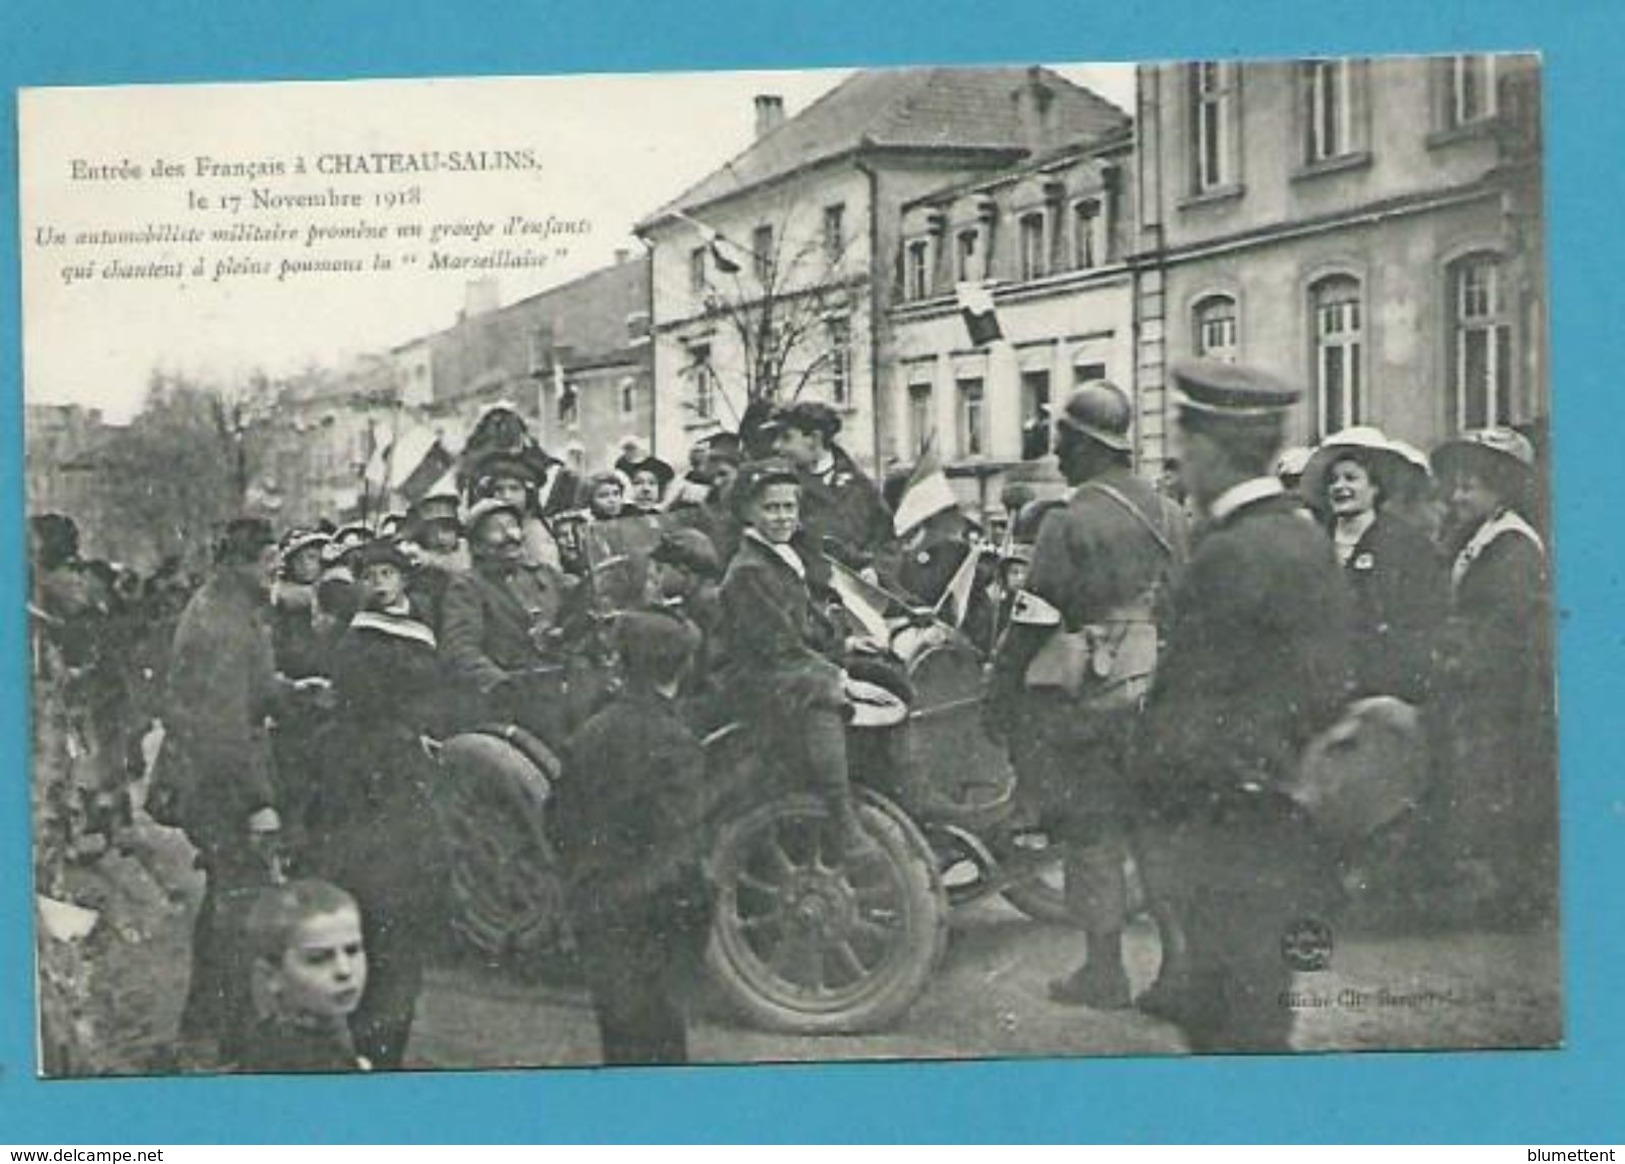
[912, 563]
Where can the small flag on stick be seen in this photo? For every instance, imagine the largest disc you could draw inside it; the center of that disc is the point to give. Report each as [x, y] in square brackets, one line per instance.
[926, 494]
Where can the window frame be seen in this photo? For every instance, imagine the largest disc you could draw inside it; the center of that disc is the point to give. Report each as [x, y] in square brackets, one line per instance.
[838, 338]
[1034, 246]
[1214, 156]
[1497, 323]
[834, 233]
[917, 275]
[970, 407]
[1202, 317]
[1457, 71]
[761, 252]
[1349, 339]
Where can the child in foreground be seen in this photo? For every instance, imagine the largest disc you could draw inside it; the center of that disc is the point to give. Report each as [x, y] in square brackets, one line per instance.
[310, 970]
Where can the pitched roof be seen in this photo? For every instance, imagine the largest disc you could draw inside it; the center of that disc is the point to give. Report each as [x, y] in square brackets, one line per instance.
[938, 108]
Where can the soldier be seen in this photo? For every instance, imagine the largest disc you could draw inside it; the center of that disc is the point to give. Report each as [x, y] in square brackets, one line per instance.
[841, 510]
[1069, 674]
[1257, 662]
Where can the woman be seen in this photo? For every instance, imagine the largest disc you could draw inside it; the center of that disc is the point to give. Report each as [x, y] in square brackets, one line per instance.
[783, 643]
[648, 481]
[1498, 817]
[1397, 580]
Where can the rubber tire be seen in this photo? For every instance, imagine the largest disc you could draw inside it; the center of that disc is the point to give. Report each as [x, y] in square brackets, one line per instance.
[767, 1000]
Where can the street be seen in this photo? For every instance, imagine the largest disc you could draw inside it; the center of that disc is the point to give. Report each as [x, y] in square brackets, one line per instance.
[989, 1000]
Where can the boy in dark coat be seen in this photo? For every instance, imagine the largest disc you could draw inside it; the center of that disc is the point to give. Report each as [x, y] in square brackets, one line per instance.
[629, 819]
[310, 973]
[373, 828]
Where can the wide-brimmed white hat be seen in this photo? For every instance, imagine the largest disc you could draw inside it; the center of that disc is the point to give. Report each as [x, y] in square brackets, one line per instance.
[1363, 443]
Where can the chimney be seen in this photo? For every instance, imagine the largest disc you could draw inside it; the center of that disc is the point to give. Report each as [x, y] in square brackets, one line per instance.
[480, 297]
[621, 255]
[1033, 100]
[769, 113]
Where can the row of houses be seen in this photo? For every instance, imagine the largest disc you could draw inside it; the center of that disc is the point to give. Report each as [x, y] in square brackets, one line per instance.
[1370, 230]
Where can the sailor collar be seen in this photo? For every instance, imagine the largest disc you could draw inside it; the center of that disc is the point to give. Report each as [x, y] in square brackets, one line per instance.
[1244, 494]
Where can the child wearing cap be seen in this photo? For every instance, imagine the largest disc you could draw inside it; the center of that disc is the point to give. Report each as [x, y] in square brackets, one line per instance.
[630, 820]
[309, 969]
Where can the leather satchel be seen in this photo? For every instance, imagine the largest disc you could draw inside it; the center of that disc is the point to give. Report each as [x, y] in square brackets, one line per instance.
[1106, 665]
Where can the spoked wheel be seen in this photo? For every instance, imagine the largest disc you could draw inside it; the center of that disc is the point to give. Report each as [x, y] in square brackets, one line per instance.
[506, 893]
[806, 942]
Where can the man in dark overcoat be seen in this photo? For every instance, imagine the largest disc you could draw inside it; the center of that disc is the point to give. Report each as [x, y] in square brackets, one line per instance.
[217, 772]
[1257, 662]
[1100, 562]
[500, 623]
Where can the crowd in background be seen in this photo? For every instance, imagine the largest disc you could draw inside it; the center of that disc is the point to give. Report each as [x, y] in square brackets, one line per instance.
[466, 608]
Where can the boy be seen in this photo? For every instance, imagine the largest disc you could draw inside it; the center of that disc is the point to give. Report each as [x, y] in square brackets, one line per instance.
[309, 971]
[629, 820]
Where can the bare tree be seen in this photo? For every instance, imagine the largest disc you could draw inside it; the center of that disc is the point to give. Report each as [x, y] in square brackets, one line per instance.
[788, 298]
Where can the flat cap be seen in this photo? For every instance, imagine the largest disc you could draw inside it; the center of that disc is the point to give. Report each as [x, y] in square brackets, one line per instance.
[436, 507]
[690, 549]
[653, 644]
[481, 510]
[1230, 391]
[506, 464]
[807, 416]
[380, 551]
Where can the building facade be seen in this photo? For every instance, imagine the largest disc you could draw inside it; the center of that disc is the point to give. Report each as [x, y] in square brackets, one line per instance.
[1050, 239]
[1369, 230]
[774, 277]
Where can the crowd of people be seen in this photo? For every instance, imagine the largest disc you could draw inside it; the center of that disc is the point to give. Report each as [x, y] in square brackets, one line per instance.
[1160, 656]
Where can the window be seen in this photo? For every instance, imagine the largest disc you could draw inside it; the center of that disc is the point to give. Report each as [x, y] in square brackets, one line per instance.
[1088, 234]
[921, 414]
[1032, 246]
[1034, 413]
[696, 270]
[629, 395]
[702, 400]
[1087, 374]
[761, 252]
[834, 232]
[1214, 320]
[1329, 108]
[966, 269]
[1481, 352]
[972, 418]
[570, 407]
[918, 275]
[839, 332]
[1213, 128]
[1471, 97]
[1339, 368]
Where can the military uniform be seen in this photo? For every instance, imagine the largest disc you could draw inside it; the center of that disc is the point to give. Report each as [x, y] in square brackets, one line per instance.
[1257, 661]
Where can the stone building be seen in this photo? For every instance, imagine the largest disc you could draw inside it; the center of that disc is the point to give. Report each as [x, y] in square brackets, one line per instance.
[1370, 230]
[774, 276]
[1051, 239]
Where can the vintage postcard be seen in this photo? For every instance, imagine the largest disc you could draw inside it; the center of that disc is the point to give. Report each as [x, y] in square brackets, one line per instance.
[926, 563]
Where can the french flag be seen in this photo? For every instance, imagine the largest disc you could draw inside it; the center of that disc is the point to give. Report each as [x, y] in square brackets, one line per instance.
[977, 308]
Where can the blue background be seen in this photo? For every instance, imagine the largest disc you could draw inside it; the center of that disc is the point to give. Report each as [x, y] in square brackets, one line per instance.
[1576, 1095]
